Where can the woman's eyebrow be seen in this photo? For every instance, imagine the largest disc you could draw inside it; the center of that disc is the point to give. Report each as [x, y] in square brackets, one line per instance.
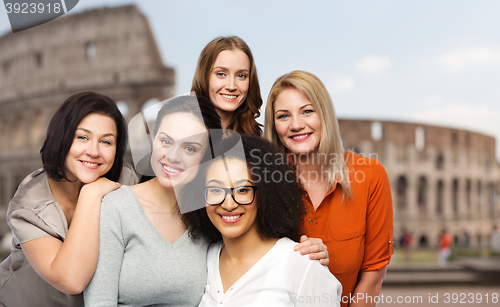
[244, 181]
[90, 132]
[215, 181]
[192, 143]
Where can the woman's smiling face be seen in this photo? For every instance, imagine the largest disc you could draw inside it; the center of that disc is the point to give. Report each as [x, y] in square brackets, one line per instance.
[297, 122]
[230, 218]
[229, 81]
[92, 153]
[178, 148]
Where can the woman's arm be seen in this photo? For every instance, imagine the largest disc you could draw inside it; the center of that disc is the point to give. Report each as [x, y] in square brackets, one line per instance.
[315, 247]
[368, 287]
[317, 287]
[103, 288]
[68, 266]
[378, 240]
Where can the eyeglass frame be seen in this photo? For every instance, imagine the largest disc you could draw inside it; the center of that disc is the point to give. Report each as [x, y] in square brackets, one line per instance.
[230, 191]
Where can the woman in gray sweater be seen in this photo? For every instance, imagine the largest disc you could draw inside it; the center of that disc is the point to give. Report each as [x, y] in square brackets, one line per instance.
[146, 257]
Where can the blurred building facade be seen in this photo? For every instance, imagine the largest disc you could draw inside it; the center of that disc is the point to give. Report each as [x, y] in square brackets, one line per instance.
[110, 50]
[441, 178]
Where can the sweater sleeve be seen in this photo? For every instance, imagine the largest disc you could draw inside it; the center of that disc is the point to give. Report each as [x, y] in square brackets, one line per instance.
[317, 287]
[103, 288]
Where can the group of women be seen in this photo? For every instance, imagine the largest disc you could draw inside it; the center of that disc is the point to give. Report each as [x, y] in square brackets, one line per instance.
[133, 247]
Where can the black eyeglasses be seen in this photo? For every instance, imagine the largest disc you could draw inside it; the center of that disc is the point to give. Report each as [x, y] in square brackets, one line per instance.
[242, 195]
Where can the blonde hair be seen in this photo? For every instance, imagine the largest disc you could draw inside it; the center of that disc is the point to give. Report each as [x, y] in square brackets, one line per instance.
[244, 117]
[330, 142]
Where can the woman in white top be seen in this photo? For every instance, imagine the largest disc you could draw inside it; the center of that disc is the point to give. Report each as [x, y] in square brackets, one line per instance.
[254, 204]
[146, 257]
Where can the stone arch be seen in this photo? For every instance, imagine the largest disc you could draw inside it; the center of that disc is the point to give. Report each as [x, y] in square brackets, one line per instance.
[37, 131]
[419, 138]
[19, 132]
[468, 195]
[2, 196]
[440, 197]
[423, 242]
[479, 195]
[5, 133]
[39, 59]
[402, 191]
[454, 137]
[454, 194]
[90, 51]
[422, 192]
[491, 200]
[440, 161]
[377, 131]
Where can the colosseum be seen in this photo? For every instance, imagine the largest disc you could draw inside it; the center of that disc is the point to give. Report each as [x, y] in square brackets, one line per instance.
[441, 178]
[108, 50]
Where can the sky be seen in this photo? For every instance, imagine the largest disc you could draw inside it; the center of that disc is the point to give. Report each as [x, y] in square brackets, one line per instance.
[426, 61]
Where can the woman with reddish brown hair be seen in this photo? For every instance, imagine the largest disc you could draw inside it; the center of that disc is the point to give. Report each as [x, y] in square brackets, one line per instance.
[226, 74]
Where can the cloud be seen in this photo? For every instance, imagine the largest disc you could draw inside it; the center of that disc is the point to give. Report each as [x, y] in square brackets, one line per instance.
[342, 85]
[460, 59]
[372, 65]
[483, 118]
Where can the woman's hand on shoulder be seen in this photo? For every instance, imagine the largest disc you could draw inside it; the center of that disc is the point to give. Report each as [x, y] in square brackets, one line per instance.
[315, 248]
[100, 187]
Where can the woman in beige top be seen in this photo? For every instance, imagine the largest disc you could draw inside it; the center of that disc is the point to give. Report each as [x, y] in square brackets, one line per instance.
[54, 215]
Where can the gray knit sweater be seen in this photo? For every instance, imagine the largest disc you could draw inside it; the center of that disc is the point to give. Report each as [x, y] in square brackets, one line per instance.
[137, 266]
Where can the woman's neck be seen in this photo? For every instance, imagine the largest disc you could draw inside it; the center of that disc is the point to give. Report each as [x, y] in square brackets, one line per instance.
[65, 191]
[245, 247]
[66, 194]
[309, 170]
[163, 198]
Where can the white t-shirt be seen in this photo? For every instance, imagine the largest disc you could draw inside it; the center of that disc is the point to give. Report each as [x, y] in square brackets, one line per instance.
[283, 277]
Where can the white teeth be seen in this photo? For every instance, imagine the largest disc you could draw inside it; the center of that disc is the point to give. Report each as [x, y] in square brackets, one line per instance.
[231, 217]
[172, 170]
[229, 96]
[90, 164]
[300, 136]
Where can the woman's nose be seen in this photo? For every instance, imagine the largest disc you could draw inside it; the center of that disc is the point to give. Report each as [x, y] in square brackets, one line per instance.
[172, 155]
[296, 124]
[93, 150]
[229, 204]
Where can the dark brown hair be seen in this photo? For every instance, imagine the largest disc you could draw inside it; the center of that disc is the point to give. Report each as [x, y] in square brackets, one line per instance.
[62, 128]
[244, 117]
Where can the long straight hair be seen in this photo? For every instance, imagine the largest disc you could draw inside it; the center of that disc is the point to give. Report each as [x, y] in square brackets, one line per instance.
[330, 145]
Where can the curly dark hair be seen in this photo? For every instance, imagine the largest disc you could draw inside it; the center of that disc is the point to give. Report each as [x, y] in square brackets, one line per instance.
[279, 197]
